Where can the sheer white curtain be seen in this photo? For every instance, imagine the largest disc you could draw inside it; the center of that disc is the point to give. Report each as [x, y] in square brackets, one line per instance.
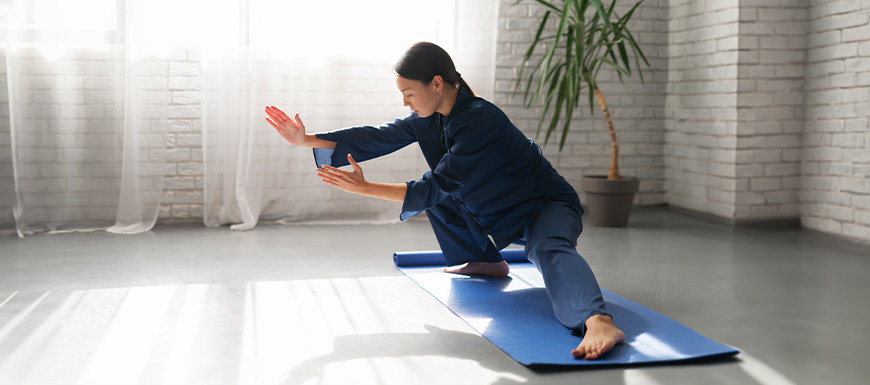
[89, 101]
[332, 63]
[87, 113]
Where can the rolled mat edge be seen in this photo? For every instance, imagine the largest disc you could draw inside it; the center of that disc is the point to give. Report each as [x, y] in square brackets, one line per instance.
[436, 257]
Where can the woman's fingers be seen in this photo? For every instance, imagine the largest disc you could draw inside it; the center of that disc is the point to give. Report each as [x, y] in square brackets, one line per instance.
[274, 115]
[332, 170]
[350, 181]
[280, 117]
[280, 113]
[283, 122]
[323, 171]
[334, 173]
[353, 163]
[331, 180]
[327, 172]
[273, 123]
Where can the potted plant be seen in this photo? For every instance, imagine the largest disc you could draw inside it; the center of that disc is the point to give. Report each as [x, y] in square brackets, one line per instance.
[587, 37]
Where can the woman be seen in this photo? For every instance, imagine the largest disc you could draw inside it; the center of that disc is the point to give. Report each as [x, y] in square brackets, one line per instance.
[489, 186]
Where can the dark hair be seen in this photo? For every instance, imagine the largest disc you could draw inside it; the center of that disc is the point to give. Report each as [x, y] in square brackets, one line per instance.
[424, 60]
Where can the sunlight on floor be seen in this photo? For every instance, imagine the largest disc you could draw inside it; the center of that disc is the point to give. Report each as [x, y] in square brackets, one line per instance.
[343, 330]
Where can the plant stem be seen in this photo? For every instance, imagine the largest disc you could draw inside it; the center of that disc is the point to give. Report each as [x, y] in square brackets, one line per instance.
[613, 172]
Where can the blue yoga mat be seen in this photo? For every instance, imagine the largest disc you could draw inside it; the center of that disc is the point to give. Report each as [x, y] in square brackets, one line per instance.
[515, 314]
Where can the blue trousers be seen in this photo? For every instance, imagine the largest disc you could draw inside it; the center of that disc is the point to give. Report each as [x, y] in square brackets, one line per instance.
[550, 239]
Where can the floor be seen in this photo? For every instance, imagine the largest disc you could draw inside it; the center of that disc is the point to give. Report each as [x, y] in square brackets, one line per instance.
[324, 305]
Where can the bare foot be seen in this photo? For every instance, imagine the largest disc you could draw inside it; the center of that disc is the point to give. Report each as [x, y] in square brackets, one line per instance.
[601, 336]
[493, 269]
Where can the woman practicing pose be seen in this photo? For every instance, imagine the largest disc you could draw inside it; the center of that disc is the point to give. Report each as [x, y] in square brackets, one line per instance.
[489, 186]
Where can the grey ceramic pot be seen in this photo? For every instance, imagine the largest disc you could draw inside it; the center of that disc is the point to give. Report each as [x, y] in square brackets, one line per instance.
[608, 202]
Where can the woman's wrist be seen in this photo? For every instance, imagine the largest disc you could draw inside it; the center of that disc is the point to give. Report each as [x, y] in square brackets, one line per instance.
[311, 140]
[308, 140]
[387, 191]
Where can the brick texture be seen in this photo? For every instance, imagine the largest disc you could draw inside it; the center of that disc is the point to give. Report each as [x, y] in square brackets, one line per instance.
[751, 110]
[770, 81]
[700, 106]
[834, 154]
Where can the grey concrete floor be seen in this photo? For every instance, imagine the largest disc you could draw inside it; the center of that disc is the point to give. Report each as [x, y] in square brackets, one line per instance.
[324, 305]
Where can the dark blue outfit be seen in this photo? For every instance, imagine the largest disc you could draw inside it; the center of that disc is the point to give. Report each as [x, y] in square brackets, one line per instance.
[489, 186]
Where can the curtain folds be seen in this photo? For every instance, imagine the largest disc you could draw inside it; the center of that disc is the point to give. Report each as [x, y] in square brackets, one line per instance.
[92, 89]
[86, 123]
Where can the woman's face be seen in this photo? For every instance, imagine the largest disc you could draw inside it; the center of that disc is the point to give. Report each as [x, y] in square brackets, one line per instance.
[419, 97]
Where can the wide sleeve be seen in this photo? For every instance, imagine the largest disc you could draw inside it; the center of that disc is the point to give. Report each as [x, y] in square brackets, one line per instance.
[364, 142]
[469, 142]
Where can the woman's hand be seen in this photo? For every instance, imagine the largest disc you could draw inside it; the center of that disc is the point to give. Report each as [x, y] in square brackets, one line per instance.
[350, 181]
[292, 131]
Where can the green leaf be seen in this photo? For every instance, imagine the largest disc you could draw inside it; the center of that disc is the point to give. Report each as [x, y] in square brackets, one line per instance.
[531, 78]
[591, 101]
[599, 8]
[551, 91]
[563, 22]
[570, 114]
[624, 56]
[637, 52]
[614, 65]
[569, 45]
[549, 5]
[624, 19]
[537, 36]
[560, 100]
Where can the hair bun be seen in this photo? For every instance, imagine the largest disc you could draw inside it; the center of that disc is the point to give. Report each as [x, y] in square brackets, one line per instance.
[458, 76]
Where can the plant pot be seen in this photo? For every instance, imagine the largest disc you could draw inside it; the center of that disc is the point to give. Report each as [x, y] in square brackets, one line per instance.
[608, 202]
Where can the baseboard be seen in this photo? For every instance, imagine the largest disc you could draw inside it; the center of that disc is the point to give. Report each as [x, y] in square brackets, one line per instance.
[758, 223]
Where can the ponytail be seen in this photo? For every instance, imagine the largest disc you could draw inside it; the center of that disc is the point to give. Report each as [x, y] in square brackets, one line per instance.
[465, 85]
[424, 60]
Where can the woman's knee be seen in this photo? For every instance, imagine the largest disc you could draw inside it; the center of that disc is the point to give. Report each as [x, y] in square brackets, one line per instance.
[550, 247]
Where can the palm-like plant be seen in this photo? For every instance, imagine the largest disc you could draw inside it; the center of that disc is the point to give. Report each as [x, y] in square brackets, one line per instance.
[574, 55]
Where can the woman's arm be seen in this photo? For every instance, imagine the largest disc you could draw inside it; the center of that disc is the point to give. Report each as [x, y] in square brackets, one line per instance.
[365, 142]
[388, 191]
[467, 161]
[351, 181]
[313, 141]
[293, 131]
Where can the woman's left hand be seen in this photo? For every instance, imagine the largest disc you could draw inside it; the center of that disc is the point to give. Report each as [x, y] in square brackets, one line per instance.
[350, 181]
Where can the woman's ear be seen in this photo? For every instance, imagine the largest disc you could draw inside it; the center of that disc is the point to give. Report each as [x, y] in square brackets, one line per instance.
[438, 83]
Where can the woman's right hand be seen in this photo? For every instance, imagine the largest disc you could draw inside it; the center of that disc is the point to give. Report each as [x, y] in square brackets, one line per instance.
[292, 131]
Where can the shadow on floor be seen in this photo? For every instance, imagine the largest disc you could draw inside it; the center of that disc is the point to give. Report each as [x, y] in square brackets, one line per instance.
[437, 342]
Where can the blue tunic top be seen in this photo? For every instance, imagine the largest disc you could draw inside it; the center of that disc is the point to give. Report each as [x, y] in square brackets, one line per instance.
[496, 175]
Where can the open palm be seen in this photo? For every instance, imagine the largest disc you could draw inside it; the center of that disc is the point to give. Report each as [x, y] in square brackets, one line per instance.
[292, 130]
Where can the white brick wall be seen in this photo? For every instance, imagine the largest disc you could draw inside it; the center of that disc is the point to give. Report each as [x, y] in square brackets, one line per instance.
[183, 170]
[753, 109]
[770, 97]
[701, 99]
[636, 108]
[835, 151]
